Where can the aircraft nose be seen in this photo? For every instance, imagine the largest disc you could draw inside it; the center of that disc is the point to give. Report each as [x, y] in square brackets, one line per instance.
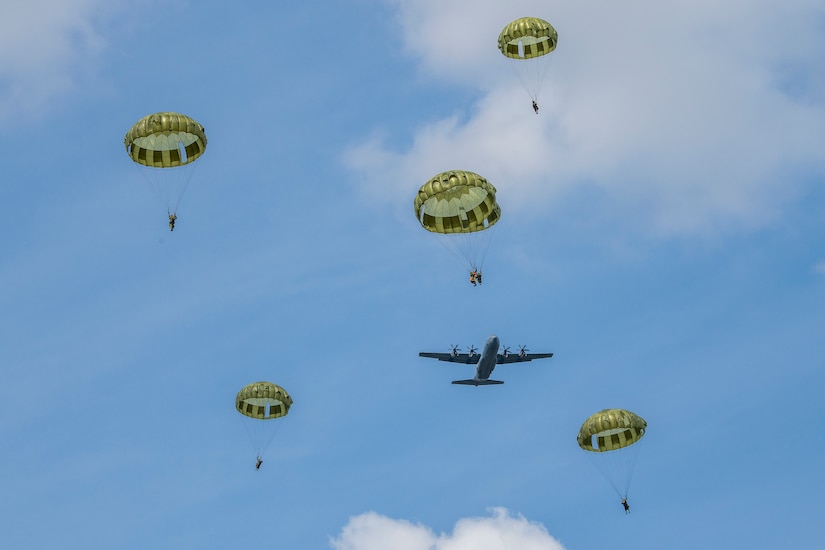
[494, 340]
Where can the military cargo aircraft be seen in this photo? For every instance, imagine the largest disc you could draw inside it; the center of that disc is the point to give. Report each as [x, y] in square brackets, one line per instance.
[486, 361]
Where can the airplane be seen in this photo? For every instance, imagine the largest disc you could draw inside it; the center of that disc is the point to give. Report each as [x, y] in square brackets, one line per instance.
[486, 362]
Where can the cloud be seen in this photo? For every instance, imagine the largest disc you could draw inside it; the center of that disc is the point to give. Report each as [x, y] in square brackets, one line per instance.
[685, 118]
[500, 531]
[820, 267]
[45, 46]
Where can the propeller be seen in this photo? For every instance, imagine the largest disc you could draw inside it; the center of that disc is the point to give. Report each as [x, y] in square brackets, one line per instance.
[506, 351]
[522, 351]
[454, 350]
[471, 350]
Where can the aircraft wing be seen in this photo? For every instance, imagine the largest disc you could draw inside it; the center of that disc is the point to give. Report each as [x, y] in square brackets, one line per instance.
[463, 358]
[517, 358]
[476, 382]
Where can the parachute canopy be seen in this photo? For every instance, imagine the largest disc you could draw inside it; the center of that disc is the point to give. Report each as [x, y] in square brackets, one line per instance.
[611, 438]
[610, 430]
[527, 41]
[457, 202]
[258, 403]
[527, 38]
[263, 400]
[165, 140]
[164, 147]
[459, 206]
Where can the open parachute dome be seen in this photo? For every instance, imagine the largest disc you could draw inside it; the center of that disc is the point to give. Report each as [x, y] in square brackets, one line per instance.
[263, 401]
[527, 38]
[460, 206]
[457, 202]
[165, 140]
[165, 145]
[610, 430]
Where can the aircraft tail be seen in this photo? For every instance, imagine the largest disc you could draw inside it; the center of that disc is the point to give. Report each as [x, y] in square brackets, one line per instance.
[477, 382]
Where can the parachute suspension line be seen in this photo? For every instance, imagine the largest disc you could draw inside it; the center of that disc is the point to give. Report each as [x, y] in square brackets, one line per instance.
[266, 440]
[526, 43]
[486, 239]
[524, 74]
[475, 252]
[262, 405]
[456, 244]
[249, 428]
[539, 73]
[617, 467]
[476, 247]
[632, 470]
[611, 438]
[462, 247]
[190, 171]
[469, 248]
[459, 208]
[261, 433]
[442, 240]
[622, 469]
[543, 68]
[169, 184]
[599, 463]
[156, 183]
[531, 73]
[266, 432]
[165, 146]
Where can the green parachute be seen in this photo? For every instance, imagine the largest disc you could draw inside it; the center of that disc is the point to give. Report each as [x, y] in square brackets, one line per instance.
[165, 146]
[460, 207]
[527, 42]
[261, 403]
[611, 437]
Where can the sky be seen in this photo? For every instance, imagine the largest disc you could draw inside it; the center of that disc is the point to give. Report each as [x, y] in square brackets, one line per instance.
[662, 234]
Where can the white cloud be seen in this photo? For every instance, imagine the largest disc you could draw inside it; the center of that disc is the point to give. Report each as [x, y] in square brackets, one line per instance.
[820, 267]
[500, 531]
[44, 47]
[685, 117]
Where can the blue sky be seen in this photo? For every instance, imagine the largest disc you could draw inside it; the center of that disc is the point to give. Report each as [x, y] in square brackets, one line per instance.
[662, 234]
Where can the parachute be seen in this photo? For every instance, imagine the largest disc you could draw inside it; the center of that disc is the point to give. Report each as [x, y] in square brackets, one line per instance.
[260, 403]
[611, 437]
[527, 41]
[460, 207]
[165, 146]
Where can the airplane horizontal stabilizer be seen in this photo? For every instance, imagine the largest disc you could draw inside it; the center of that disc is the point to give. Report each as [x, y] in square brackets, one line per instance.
[476, 382]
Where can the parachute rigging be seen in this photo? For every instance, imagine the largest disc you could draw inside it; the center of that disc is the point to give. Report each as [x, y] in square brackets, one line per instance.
[527, 42]
[611, 439]
[460, 207]
[164, 146]
[259, 404]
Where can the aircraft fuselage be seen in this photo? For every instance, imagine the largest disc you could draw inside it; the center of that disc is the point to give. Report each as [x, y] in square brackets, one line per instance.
[487, 362]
